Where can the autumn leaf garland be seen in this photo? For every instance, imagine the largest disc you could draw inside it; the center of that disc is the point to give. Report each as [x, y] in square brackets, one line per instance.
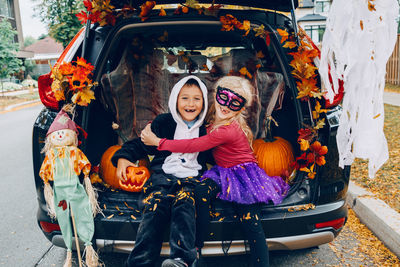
[304, 70]
[302, 63]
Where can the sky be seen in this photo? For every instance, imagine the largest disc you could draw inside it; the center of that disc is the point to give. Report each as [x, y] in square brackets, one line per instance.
[31, 26]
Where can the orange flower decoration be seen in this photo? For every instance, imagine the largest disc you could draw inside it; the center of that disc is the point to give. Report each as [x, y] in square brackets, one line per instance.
[72, 82]
[319, 152]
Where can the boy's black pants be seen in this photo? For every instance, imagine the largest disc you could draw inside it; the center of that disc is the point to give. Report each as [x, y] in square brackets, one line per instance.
[249, 215]
[166, 205]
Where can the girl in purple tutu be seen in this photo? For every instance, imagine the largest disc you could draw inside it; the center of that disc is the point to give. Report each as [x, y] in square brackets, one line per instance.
[236, 177]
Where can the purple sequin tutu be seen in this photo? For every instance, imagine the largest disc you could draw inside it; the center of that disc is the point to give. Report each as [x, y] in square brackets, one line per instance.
[247, 183]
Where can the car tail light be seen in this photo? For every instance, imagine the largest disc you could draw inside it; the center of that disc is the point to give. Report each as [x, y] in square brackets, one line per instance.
[49, 227]
[46, 94]
[336, 224]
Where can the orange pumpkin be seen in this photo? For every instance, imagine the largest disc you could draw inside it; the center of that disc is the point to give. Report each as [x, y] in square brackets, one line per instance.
[107, 169]
[274, 154]
[137, 177]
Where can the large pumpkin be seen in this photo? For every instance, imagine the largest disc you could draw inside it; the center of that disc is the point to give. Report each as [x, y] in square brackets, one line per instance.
[108, 171]
[274, 155]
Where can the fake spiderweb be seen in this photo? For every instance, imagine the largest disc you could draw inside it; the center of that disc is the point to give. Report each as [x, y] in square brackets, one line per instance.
[359, 38]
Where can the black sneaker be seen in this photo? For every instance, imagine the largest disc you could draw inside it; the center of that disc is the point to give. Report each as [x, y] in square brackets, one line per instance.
[178, 262]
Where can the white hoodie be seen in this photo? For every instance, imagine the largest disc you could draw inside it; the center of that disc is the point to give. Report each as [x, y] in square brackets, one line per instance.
[184, 164]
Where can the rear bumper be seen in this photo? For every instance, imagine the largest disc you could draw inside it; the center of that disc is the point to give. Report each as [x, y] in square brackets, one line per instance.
[217, 248]
[285, 230]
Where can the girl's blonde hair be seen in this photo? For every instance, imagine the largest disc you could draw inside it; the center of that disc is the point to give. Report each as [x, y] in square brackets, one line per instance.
[242, 87]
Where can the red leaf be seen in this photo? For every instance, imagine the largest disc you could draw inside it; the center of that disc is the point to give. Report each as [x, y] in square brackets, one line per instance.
[88, 4]
[306, 134]
[82, 17]
[63, 204]
[267, 38]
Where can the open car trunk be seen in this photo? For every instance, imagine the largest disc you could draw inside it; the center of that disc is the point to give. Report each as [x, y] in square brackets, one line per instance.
[136, 74]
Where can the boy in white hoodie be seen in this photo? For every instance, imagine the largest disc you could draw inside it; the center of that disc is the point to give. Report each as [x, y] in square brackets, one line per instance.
[169, 191]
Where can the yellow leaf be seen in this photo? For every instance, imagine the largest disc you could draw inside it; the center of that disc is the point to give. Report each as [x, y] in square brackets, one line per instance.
[109, 217]
[320, 124]
[133, 217]
[290, 45]
[83, 97]
[260, 30]
[304, 144]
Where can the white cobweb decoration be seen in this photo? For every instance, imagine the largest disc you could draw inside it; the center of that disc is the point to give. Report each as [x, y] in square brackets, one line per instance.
[359, 38]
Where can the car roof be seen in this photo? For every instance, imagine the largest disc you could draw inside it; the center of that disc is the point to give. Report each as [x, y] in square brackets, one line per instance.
[278, 5]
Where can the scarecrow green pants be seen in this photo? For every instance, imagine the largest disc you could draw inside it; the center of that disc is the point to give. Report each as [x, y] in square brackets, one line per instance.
[70, 194]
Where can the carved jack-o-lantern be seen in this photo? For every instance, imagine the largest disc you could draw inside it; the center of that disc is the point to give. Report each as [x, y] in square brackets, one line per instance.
[108, 171]
[136, 178]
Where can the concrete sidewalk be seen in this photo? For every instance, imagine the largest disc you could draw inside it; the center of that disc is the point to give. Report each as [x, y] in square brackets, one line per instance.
[381, 219]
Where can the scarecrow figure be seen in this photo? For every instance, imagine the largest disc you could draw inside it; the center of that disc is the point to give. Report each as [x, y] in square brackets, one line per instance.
[68, 199]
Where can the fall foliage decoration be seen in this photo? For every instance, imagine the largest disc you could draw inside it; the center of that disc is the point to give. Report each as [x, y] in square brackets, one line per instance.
[108, 171]
[136, 178]
[274, 154]
[304, 70]
[229, 23]
[100, 11]
[72, 82]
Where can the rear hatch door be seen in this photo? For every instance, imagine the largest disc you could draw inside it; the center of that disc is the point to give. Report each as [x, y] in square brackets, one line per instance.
[278, 5]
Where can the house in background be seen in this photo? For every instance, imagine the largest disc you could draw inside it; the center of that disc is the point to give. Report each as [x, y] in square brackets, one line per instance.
[9, 9]
[45, 50]
[311, 16]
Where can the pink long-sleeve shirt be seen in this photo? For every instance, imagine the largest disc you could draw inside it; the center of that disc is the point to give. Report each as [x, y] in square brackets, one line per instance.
[229, 142]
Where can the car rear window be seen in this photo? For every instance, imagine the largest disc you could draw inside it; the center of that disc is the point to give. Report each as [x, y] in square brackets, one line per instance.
[143, 67]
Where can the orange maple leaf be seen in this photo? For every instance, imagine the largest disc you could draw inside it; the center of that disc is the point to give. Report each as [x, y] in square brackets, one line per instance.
[371, 7]
[305, 88]
[284, 35]
[303, 70]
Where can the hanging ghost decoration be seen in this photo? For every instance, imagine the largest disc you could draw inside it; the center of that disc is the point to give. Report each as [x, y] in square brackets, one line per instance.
[359, 38]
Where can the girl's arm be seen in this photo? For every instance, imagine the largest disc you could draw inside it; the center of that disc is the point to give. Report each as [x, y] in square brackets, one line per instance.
[203, 143]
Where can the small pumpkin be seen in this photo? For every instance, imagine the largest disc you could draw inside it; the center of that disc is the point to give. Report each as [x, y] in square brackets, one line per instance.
[137, 177]
[274, 154]
[107, 170]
